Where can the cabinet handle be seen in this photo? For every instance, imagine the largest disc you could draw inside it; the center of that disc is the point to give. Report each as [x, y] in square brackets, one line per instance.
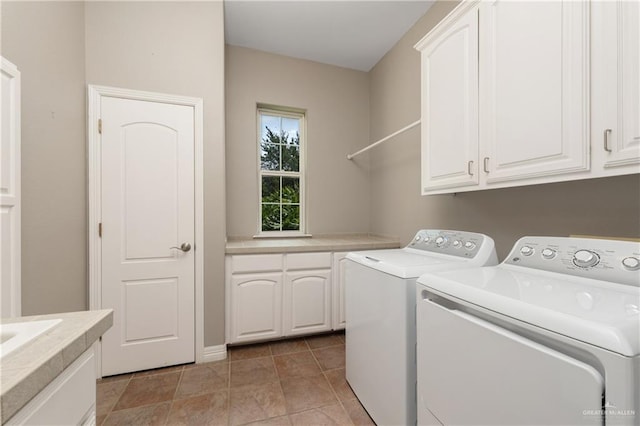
[486, 164]
[469, 164]
[607, 136]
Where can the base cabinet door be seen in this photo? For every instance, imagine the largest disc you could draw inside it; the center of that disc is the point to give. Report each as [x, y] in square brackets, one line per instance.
[256, 306]
[307, 301]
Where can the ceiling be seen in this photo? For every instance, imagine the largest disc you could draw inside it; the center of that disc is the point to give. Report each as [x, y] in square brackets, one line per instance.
[348, 33]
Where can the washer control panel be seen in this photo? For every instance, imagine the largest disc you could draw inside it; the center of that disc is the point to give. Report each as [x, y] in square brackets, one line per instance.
[608, 260]
[456, 243]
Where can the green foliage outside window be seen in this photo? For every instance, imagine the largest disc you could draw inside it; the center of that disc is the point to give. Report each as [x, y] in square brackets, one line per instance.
[280, 204]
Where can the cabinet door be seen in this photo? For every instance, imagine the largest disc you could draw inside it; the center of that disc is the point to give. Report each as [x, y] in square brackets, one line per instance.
[616, 85]
[450, 106]
[338, 311]
[534, 73]
[70, 399]
[307, 302]
[256, 306]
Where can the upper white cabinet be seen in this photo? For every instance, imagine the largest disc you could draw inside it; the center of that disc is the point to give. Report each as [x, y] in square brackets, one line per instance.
[557, 97]
[450, 106]
[616, 87]
[534, 110]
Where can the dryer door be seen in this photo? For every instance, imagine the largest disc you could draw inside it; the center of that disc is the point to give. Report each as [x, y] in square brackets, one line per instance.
[472, 372]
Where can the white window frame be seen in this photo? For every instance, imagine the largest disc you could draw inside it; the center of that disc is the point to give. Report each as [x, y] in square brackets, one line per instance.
[294, 113]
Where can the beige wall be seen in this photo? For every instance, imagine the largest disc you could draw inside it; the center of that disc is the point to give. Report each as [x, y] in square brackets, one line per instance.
[169, 47]
[336, 100]
[46, 41]
[177, 48]
[609, 206]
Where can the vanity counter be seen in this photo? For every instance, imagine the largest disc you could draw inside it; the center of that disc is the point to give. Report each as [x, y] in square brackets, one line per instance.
[28, 369]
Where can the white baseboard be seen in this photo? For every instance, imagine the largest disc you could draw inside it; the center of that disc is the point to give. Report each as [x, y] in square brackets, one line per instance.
[214, 353]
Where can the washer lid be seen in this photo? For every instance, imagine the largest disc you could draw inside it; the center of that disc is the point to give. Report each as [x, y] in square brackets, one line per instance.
[601, 313]
[405, 262]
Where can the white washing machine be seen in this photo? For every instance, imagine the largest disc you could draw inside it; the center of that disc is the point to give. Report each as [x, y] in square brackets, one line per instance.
[380, 316]
[549, 336]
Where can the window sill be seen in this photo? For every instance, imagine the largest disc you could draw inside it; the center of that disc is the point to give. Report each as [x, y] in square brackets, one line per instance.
[282, 235]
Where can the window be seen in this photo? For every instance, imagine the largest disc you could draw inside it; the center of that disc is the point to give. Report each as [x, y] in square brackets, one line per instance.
[281, 143]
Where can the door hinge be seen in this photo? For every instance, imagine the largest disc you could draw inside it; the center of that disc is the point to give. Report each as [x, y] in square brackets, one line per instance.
[100, 230]
[100, 125]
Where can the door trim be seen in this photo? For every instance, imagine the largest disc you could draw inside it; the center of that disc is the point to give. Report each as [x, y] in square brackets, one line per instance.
[94, 157]
[11, 200]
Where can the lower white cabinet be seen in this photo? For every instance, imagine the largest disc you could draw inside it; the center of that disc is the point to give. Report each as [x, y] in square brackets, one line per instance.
[339, 316]
[278, 295]
[256, 312]
[70, 399]
[307, 302]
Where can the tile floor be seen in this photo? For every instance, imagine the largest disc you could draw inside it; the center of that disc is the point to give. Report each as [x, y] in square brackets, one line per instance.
[290, 382]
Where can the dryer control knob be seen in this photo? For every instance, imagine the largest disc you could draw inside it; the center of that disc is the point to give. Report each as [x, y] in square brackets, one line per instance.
[418, 238]
[631, 263]
[585, 258]
[548, 253]
[457, 244]
[469, 245]
[440, 241]
[526, 251]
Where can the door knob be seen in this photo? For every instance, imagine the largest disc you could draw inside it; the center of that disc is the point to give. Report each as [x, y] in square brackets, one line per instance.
[185, 247]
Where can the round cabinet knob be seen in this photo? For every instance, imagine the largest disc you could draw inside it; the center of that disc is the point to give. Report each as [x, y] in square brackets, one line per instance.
[548, 253]
[631, 263]
[526, 251]
[440, 241]
[585, 258]
[469, 245]
[457, 244]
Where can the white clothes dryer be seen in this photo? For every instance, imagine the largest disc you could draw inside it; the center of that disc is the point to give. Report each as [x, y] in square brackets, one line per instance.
[380, 316]
[550, 336]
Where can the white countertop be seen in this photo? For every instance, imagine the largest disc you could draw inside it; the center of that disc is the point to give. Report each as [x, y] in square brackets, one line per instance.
[341, 242]
[30, 368]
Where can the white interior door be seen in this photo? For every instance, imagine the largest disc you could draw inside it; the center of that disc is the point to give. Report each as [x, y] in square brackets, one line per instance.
[147, 199]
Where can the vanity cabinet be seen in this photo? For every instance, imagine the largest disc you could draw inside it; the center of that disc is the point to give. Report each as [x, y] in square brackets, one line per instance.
[68, 399]
[505, 95]
[450, 106]
[277, 295]
[616, 87]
